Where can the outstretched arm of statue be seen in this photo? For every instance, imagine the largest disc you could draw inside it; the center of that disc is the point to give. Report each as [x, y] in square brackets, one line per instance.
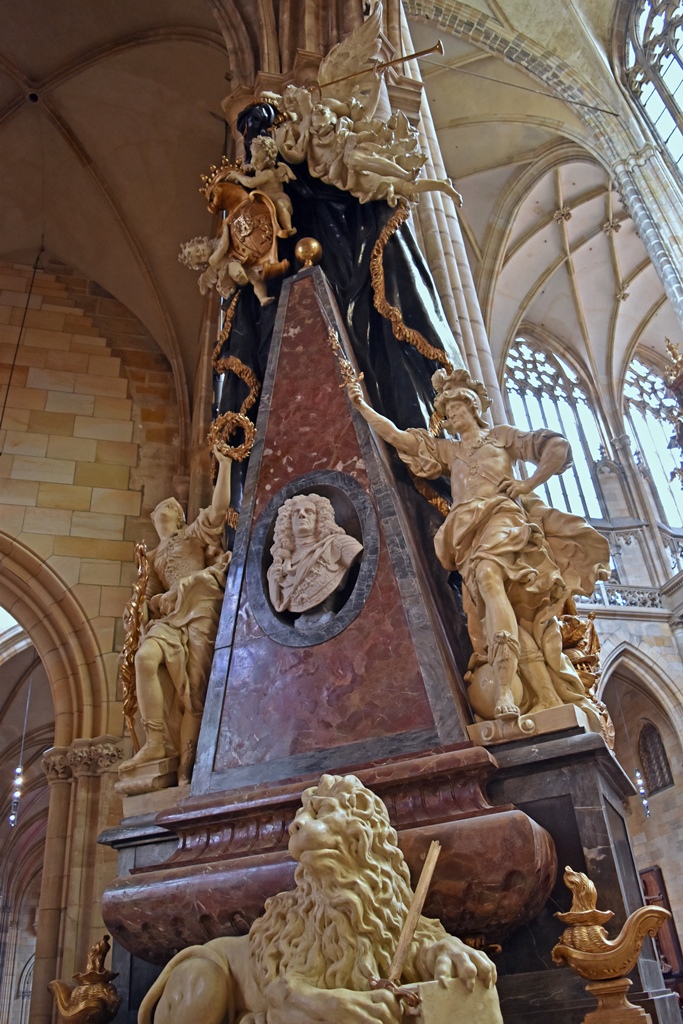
[554, 459]
[242, 179]
[220, 503]
[401, 439]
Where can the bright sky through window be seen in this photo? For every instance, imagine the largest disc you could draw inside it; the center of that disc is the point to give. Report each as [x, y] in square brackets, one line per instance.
[544, 391]
[654, 68]
[647, 401]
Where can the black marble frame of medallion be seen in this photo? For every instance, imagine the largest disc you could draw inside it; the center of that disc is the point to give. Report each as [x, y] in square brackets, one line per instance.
[323, 482]
[443, 684]
[573, 786]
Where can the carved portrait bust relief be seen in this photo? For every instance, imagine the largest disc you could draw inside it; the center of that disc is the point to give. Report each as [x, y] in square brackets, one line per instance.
[311, 555]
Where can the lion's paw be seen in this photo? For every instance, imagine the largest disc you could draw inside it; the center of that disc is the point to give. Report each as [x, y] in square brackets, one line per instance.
[451, 958]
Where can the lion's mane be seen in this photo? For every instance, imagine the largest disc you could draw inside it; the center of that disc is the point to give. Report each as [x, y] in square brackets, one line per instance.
[340, 926]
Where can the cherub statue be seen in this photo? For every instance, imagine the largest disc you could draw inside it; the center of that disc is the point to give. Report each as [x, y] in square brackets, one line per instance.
[220, 268]
[519, 560]
[268, 176]
[340, 132]
[313, 956]
[180, 618]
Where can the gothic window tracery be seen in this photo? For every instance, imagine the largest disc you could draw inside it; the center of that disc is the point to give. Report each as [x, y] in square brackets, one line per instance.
[543, 390]
[654, 68]
[649, 407]
[653, 759]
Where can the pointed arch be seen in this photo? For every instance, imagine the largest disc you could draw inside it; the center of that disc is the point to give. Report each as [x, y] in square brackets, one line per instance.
[41, 602]
[640, 672]
[237, 42]
[25, 988]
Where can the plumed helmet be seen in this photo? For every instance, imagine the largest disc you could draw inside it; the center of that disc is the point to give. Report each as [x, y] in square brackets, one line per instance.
[459, 384]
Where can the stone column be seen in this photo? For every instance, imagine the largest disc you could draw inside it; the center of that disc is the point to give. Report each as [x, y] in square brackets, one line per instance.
[8, 943]
[47, 962]
[70, 890]
[652, 199]
[446, 253]
[676, 626]
[89, 760]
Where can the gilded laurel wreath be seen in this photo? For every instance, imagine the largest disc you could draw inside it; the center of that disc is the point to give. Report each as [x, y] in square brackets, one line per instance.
[224, 427]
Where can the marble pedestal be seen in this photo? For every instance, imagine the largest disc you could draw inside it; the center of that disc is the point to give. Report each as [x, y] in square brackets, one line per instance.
[574, 787]
[377, 692]
[613, 1005]
[506, 730]
[151, 777]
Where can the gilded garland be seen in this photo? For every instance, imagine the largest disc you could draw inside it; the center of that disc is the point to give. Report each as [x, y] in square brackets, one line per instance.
[348, 374]
[224, 427]
[225, 331]
[132, 618]
[384, 307]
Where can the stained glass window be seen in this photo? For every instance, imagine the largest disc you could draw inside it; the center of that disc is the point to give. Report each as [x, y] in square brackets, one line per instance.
[653, 759]
[654, 68]
[648, 409]
[544, 391]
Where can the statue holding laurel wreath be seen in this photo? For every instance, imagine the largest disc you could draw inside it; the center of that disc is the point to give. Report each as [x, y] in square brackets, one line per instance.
[177, 620]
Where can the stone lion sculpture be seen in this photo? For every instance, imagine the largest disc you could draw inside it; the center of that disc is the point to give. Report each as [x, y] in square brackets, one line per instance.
[311, 957]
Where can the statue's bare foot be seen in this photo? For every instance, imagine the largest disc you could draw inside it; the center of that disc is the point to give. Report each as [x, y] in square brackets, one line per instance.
[152, 750]
[267, 301]
[506, 709]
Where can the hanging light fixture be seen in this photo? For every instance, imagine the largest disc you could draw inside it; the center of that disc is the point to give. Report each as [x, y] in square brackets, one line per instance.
[19, 770]
[16, 794]
[640, 786]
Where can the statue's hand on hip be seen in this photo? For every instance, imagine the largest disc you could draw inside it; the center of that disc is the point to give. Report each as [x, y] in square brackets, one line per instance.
[513, 488]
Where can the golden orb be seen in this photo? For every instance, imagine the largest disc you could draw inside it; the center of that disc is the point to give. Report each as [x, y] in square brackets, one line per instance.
[308, 252]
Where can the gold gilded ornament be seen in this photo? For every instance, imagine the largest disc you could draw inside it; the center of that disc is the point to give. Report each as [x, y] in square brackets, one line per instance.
[391, 313]
[224, 427]
[308, 252]
[93, 1000]
[584, 944]
[245, 249]
[349, 375]
[676, 368]
[132, 618]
